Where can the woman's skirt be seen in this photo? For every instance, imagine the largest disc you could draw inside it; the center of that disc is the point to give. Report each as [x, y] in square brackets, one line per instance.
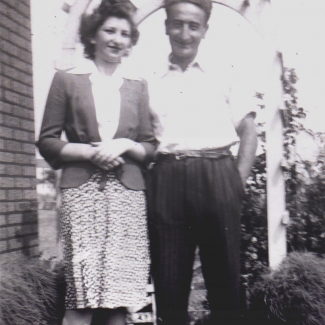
[105, 245]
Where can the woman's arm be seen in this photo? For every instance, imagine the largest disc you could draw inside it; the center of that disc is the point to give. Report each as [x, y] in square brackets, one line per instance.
[50, 143]
[108, 152]
[52, 148]
[87, 152]
[77, 152]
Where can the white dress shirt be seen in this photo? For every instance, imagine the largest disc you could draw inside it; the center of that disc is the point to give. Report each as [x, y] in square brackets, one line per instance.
[196, 109]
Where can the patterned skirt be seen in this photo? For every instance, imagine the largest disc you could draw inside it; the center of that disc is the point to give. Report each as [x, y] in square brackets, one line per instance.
[105, 245]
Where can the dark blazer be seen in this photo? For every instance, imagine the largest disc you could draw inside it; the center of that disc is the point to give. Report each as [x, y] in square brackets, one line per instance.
[70, 108]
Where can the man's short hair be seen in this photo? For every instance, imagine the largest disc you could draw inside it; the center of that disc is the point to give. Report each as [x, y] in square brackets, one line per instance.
[205, 5]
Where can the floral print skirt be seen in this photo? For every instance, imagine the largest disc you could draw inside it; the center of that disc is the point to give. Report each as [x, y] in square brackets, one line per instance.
[105, 245]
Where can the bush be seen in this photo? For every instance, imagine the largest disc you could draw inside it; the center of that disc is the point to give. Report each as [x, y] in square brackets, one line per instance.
[294, 294]
[29, 292]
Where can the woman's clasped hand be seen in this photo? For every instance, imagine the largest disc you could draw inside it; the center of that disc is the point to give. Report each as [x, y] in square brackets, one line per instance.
[107, 155]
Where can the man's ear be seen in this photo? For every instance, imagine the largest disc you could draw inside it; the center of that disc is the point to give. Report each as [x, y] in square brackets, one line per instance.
[166, 27]
[206, 29]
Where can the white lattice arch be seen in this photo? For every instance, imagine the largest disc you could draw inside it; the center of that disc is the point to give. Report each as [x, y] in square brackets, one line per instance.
[260, 14]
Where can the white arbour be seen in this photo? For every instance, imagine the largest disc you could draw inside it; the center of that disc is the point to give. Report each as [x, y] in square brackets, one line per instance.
[260, 15]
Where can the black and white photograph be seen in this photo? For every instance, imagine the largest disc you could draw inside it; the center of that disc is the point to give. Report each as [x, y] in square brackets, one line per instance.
[162, 162]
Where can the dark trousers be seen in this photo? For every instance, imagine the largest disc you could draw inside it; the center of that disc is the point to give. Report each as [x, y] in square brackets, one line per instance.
[195, 202]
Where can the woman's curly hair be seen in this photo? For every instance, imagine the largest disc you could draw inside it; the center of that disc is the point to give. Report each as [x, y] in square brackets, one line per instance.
[90, 23]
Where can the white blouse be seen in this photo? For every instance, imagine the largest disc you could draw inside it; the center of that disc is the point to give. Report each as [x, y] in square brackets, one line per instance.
[107, 97]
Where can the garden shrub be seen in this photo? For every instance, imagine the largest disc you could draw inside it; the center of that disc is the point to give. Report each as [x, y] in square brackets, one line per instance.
[293, 294]
[29, 292]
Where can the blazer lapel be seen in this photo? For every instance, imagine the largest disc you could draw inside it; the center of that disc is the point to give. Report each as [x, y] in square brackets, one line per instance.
[123, 111]
[87, 104]
[128, 108]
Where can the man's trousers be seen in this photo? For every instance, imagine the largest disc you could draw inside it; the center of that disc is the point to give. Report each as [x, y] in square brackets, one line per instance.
[195, 202]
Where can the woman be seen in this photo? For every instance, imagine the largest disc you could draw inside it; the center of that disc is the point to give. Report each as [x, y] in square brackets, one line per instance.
[105, 116]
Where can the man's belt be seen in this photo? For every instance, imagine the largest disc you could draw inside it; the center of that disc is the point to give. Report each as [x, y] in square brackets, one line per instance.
[205, 153]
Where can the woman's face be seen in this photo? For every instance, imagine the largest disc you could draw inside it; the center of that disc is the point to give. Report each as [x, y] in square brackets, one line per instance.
[112, 40]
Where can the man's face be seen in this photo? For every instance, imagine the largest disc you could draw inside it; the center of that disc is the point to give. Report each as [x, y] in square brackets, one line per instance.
[186, 26]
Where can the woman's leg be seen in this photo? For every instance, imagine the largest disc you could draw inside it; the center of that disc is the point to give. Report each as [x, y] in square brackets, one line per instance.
[77, 317]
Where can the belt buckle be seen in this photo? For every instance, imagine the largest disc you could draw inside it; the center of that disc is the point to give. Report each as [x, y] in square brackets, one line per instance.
[180, 155]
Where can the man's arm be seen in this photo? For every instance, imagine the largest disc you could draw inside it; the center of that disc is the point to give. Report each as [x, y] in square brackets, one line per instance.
[248, 144]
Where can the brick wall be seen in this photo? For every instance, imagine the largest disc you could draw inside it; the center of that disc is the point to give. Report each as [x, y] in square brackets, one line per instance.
[18, 205]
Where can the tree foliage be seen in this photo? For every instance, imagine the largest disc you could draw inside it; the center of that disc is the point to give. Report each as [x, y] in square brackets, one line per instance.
[305, 184]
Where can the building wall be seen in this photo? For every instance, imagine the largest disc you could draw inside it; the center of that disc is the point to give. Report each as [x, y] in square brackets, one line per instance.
[18, 202]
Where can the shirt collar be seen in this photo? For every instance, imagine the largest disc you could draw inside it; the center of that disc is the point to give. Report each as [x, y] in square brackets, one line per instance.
[169, 66]
[89, 67]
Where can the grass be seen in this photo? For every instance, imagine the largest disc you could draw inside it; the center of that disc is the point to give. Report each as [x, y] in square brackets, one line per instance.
[29, 292]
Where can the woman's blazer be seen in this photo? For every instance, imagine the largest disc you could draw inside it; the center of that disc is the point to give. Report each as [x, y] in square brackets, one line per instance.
[70, 108]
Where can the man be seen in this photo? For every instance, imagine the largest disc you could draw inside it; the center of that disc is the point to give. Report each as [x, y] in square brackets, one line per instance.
[195, 188]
